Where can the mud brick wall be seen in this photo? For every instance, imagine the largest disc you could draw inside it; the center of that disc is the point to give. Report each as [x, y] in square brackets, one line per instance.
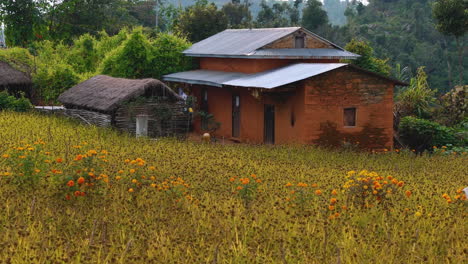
[287, 42]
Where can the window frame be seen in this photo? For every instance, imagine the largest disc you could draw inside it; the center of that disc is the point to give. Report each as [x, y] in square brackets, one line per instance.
[355, 116]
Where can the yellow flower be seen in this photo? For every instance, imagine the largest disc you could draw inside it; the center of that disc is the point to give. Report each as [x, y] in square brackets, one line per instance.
[131, 190]
[118, 177]
[152, 168]
[417, 214]
[132, 170]
[134, 181]
[334, 192]
[318, 192]
[288, 184]
[301, 184]
[152, 178]
[153, 185]
[5, 156]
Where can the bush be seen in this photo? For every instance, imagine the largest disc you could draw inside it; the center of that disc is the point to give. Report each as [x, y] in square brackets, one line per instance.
[53, 80]
[420, 134]
[8, 102]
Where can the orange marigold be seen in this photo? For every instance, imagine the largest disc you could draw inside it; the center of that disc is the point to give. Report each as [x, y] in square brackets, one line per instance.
[318, 192]
[70, 183]
[408, 193]
[77, 193]
[80, 180]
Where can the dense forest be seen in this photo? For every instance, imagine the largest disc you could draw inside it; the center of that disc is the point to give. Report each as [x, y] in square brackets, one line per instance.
[404, 33]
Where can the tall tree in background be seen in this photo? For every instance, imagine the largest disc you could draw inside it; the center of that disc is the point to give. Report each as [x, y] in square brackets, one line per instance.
[20, 19]
[313, 16]
[201, 20]
[238, 15]
[452, 20]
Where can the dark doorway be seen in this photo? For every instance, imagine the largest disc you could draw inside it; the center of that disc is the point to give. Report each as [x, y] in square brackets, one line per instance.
[235, 115]
[269, 124]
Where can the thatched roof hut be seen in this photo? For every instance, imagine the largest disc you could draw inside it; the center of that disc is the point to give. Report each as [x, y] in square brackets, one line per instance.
[13, 80]
[107, 101]
[105, 94]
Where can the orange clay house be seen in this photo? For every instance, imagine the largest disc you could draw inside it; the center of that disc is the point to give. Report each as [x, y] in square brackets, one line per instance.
[287, 85]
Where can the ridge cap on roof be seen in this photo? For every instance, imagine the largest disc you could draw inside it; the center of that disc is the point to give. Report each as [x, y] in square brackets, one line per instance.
[252, 29]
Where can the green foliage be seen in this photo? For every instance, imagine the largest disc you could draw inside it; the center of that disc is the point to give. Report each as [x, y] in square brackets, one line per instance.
[279, 14]
[83, 56]
[53, 80]
[238, 15]
[167, 55]
[421, 134]
[313, 15]
[20, 18]
[367, 60]
[8, 102]
[131, 60]
[451, 16]
[18, 58]
[201, 21]
[417, 98]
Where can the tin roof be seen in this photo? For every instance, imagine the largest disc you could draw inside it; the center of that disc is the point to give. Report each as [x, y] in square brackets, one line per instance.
[205, 77]
[285, 75]
[248, 43]
[238, 41]
[304, 53]
[267, 79]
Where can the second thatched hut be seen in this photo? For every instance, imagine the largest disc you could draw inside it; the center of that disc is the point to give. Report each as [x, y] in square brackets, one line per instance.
[143, 107]
[14, 81]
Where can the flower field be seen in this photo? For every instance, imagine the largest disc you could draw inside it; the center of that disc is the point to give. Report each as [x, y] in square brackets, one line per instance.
[78, 194]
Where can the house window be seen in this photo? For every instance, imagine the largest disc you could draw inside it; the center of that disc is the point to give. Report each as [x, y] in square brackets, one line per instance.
[349, 117]
[299, 42]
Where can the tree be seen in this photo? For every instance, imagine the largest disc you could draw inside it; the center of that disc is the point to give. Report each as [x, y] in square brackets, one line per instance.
[201, 20]
[131, 60]
[313, 15]
[20, 19]
[167, 55]
[452, 20]
[367, 60]
[238, 15]
[279, 14]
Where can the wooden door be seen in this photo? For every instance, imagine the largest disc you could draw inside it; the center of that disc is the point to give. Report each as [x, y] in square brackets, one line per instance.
[235, 115]
[269, 124]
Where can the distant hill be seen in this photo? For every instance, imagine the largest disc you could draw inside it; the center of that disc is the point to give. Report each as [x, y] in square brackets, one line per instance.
[334, 8]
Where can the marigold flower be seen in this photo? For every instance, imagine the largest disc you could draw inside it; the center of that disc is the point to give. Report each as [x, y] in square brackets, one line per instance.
[153, 185]
[337, 214]
[314, 185]
[82, 193]
[232, 179]
[151, 168]
[253, 176]
[302, 184]
[80, 180]
[134, 181]
[70, 183]
[118, 177]
[333, 200]
[334, 192]
[78, 157]
[318, 192]
[131, 190]
[152, 178]
[331, 207]
[59, 160]
[344, 207]
[288, 184]
[133, 162]
[132, 170]
[408, 193]
[68, 197]
[127, 161]
[5, 156]
[77, 193]
[258, 181]
[239, 188]
[401, 183]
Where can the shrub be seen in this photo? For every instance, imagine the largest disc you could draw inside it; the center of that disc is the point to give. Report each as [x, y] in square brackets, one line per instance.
[167, 55]
[53, 80]
[8, 102]
[420, 134]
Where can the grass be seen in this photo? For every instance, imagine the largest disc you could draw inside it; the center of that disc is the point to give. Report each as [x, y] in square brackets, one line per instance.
[210, 221]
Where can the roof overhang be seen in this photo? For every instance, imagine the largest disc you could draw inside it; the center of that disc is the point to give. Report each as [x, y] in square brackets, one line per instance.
[264, 80]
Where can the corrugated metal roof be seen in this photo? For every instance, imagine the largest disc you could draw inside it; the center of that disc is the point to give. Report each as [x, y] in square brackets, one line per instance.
[238, 41]
[285, 75]
[205, 77]
[305, 53]
[267, 79]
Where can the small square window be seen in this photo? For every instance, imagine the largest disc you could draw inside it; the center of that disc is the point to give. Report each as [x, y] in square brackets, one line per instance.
[349, 117]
